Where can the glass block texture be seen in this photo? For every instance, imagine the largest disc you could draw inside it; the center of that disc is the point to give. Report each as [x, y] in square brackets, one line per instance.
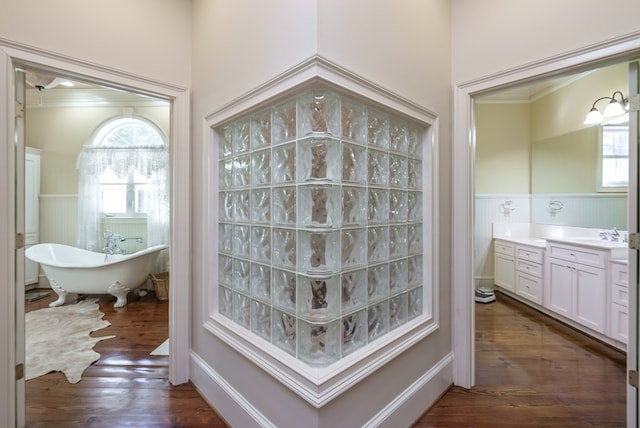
[320, 224]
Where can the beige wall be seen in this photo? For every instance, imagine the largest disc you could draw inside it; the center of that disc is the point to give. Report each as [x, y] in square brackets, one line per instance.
[543, 146]
[502, 148]
[563, 111]
[402, 46]
[494, 36]
[61, 132]
[564, 150]
[567, 163]
[150, 38]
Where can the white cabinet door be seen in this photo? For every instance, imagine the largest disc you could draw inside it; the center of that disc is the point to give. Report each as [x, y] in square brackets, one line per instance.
[559, 287]
[504, 272]
[590, 297]
[577, 292]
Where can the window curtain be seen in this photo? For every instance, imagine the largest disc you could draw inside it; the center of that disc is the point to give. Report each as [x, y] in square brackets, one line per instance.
[151, 162]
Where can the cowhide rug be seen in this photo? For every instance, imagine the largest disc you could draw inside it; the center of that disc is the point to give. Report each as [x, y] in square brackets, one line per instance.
[57, 339]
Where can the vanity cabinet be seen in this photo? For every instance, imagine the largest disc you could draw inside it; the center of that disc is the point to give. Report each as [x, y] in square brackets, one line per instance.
[576, 284]
[529, 274]
[504, 265]
[619, 315]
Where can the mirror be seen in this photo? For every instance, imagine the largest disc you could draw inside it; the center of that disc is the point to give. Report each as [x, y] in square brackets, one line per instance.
[534, 152]
[565, 182]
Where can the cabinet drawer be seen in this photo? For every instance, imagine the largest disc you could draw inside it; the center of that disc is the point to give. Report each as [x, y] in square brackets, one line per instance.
[619, 274]
[528, 267]
[502, 247]
[529, 287]
[619, 323]
[577, 254]
[620, 295]
[530, 253]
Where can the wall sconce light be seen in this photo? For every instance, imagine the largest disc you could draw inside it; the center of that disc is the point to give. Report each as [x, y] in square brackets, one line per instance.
[614, 109]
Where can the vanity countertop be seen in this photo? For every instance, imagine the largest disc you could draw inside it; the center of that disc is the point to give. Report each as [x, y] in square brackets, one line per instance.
[525, 240]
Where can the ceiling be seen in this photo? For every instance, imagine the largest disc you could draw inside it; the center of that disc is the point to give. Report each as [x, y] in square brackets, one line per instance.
[528, 92]
[47, 90]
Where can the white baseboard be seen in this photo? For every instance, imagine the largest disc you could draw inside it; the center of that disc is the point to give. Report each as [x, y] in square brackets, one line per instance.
[407, 407]
[403, 410]
[484, 282]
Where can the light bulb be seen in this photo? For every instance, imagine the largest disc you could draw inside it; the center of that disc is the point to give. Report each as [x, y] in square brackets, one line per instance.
[614, 108]
[594, 116]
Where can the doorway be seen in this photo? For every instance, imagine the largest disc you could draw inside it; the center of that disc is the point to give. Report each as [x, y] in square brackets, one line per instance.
[23, 58]
[464, 193]
[532, 148]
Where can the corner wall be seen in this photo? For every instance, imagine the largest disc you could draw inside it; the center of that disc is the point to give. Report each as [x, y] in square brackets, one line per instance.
[402, 47]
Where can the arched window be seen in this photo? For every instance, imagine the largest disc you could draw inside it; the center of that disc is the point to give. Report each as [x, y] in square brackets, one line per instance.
[123, 173]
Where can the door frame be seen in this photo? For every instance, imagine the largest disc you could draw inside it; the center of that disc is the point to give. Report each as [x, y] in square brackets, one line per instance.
[463, 181]
[14, 55]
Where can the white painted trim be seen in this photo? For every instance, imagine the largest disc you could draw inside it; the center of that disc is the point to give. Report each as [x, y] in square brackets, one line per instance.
[318, 386]
[632, 223]
[223, 397]
[226, 400]
[8, 417]
[390, 414]
[22, 55]
[627, 47]
[180, 240]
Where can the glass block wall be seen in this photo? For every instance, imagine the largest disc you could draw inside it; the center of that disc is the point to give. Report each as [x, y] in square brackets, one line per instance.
[320, 224]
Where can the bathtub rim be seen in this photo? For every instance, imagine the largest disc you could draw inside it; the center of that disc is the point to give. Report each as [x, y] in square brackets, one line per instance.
[112, 259]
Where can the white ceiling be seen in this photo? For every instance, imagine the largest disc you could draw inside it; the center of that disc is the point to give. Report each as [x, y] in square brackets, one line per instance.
[529, 92]
[82, 94]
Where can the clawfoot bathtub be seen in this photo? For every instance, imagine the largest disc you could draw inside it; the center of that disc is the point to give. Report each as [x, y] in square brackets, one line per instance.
[74, 270]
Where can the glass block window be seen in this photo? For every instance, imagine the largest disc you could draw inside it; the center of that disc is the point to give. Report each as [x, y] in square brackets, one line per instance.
[320, 224]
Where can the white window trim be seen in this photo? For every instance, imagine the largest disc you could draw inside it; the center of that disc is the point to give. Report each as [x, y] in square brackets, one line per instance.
[600, 158]
[319, 385]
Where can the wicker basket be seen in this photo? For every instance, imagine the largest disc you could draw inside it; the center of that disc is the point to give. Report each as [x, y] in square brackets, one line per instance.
[161, 284]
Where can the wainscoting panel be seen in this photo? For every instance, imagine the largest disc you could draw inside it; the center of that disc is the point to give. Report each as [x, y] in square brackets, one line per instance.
[491, 208]
[133, 230]
[599, 210]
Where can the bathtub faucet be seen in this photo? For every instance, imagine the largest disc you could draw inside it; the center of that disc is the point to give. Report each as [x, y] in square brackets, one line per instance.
[111, 244]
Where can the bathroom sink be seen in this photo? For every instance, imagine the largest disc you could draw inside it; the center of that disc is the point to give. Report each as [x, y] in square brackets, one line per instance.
[596, 241]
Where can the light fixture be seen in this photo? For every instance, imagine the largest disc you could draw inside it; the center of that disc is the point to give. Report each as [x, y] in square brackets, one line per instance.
[41, 80]
[614, 109]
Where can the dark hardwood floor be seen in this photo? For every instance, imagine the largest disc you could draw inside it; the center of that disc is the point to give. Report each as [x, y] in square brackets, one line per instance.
[531, 372]
[126, 387]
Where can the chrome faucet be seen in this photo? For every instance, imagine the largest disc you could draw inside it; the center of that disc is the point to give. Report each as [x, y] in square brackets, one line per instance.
[111, 247]
[613, 236]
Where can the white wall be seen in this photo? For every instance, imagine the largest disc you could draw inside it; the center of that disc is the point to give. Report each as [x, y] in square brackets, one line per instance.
[491, 36]
[402, 46]
[149, 38]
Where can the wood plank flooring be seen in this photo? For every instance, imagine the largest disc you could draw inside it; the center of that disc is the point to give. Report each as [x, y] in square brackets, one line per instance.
[126, 387]
[531, 372]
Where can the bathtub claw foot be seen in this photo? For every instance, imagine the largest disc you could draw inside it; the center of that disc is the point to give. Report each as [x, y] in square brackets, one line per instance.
[120, 292]
[62, 295]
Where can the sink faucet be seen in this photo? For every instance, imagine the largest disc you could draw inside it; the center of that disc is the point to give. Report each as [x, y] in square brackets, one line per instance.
[615, 235]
